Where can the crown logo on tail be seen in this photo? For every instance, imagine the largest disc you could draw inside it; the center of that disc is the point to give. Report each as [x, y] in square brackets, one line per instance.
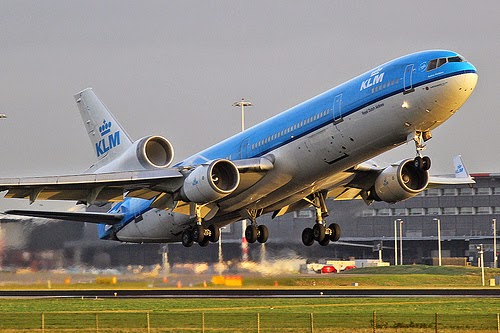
[105, 128]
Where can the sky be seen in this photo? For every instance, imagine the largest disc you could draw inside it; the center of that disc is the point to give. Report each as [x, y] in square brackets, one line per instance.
[174, 68]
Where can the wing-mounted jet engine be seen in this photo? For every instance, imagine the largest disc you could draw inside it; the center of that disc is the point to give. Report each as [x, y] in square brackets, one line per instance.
[211, 181]
[399, 182]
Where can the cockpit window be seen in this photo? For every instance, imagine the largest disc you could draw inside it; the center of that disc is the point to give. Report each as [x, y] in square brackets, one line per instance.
[432, 65]
[435, 63]
[455, 59]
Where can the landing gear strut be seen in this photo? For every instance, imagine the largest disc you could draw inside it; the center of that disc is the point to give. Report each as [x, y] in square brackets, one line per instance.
[198, 233]
[255, 232]
[421, 162]
[319, 232]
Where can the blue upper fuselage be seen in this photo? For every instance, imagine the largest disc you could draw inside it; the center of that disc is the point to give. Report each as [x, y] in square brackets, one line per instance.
[394, 77]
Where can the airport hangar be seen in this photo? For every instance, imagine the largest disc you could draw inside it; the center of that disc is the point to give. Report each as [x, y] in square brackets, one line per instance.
[465, 216]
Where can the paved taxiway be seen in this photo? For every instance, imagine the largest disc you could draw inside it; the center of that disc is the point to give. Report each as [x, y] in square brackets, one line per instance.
[253, 293]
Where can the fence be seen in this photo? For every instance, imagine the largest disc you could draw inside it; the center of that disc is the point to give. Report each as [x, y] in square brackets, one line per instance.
[212, 322]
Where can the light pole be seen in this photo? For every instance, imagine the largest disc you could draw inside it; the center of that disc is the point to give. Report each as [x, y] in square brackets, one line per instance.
[401, 242]
[242, 104]
[480, 249]
[495, 259]
[439, 239]
[244, 244]
[396, 241]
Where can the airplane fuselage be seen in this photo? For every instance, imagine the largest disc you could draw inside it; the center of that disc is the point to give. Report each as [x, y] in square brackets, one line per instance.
[314, 144]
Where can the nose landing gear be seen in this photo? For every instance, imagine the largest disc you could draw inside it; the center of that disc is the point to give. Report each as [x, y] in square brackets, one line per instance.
[421, 162]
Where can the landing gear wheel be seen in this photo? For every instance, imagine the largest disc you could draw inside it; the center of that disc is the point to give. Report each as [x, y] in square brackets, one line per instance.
[335, 232]
[186, 238]
[418, 163]
[263, 234]
[319, 232]
[198, 233]
[307, 237]
[204, 242]
[214, 233]
[251, 234]
[325, 241]
[426, 163]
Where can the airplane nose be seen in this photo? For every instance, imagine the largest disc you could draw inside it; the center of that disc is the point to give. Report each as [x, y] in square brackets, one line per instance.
[467, 82]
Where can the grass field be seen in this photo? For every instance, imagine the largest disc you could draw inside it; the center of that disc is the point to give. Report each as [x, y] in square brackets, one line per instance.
[250, 315]
[267, 314]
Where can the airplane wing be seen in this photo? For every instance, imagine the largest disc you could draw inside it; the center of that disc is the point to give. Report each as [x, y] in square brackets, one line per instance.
[111, 186]
[89, 217]
[366, 173]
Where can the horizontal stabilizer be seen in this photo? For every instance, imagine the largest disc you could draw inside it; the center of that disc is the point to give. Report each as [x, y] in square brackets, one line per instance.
[461, 176]
[90, 217]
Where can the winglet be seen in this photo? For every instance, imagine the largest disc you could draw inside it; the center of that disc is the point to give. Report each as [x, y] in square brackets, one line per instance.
[459, 166]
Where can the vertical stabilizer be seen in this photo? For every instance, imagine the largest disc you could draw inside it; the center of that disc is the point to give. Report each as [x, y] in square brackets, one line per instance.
[460, 170]
[108, 138]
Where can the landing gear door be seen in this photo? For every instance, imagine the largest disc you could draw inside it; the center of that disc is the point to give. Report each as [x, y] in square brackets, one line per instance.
[337, 109]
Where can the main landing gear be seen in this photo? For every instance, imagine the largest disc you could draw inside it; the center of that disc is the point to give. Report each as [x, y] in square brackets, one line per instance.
[198, 233]
[254, 232]
[319, 232]
[421, 162]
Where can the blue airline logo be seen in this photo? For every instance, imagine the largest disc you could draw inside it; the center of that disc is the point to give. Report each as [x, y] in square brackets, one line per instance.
[108, 140]
[375, 78]
[460, 169]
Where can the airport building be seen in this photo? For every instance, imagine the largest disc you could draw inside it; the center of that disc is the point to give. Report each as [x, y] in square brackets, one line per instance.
[465, 215]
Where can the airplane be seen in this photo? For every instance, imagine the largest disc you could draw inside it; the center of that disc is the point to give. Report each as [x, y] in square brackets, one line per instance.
[321, 148]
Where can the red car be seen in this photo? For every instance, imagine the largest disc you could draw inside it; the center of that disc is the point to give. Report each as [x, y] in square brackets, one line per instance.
[328, 269]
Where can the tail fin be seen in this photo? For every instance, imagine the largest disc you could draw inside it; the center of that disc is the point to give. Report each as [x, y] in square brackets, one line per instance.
[108, 137]
[459, 166]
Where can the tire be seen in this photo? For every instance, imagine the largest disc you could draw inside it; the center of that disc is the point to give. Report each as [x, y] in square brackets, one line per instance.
[214, 233]
[251, 234]
[426, 163]
[417, 163]
[187, 238]
[263, 234]
[319, 232]
[336, 231]
[325, 241]
[307, 237]
[198, 233]
[204, 242]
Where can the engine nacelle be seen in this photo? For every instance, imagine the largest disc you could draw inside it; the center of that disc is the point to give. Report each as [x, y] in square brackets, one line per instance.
[150, 152]
[210, 182]
[399, 182]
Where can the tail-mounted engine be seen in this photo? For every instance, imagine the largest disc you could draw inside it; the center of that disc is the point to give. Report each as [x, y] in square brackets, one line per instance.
[151, 152]
[399, 182]
[210, 182]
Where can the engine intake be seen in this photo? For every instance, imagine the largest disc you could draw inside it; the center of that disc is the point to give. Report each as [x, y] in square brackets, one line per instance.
[155, 151]
[399, 182]
[210, 182]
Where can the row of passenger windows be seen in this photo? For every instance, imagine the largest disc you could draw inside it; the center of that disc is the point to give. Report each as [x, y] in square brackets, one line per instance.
[382, 86]
[436, 63]
[290, 129]
[431, 211]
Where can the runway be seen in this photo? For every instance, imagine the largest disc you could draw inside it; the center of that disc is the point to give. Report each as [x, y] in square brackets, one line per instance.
[252, 293]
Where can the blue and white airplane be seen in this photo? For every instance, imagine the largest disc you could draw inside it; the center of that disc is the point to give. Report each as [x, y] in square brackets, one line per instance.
[320, 148]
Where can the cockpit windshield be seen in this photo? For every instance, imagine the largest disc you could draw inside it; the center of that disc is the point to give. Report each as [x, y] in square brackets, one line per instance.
[435, 63]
